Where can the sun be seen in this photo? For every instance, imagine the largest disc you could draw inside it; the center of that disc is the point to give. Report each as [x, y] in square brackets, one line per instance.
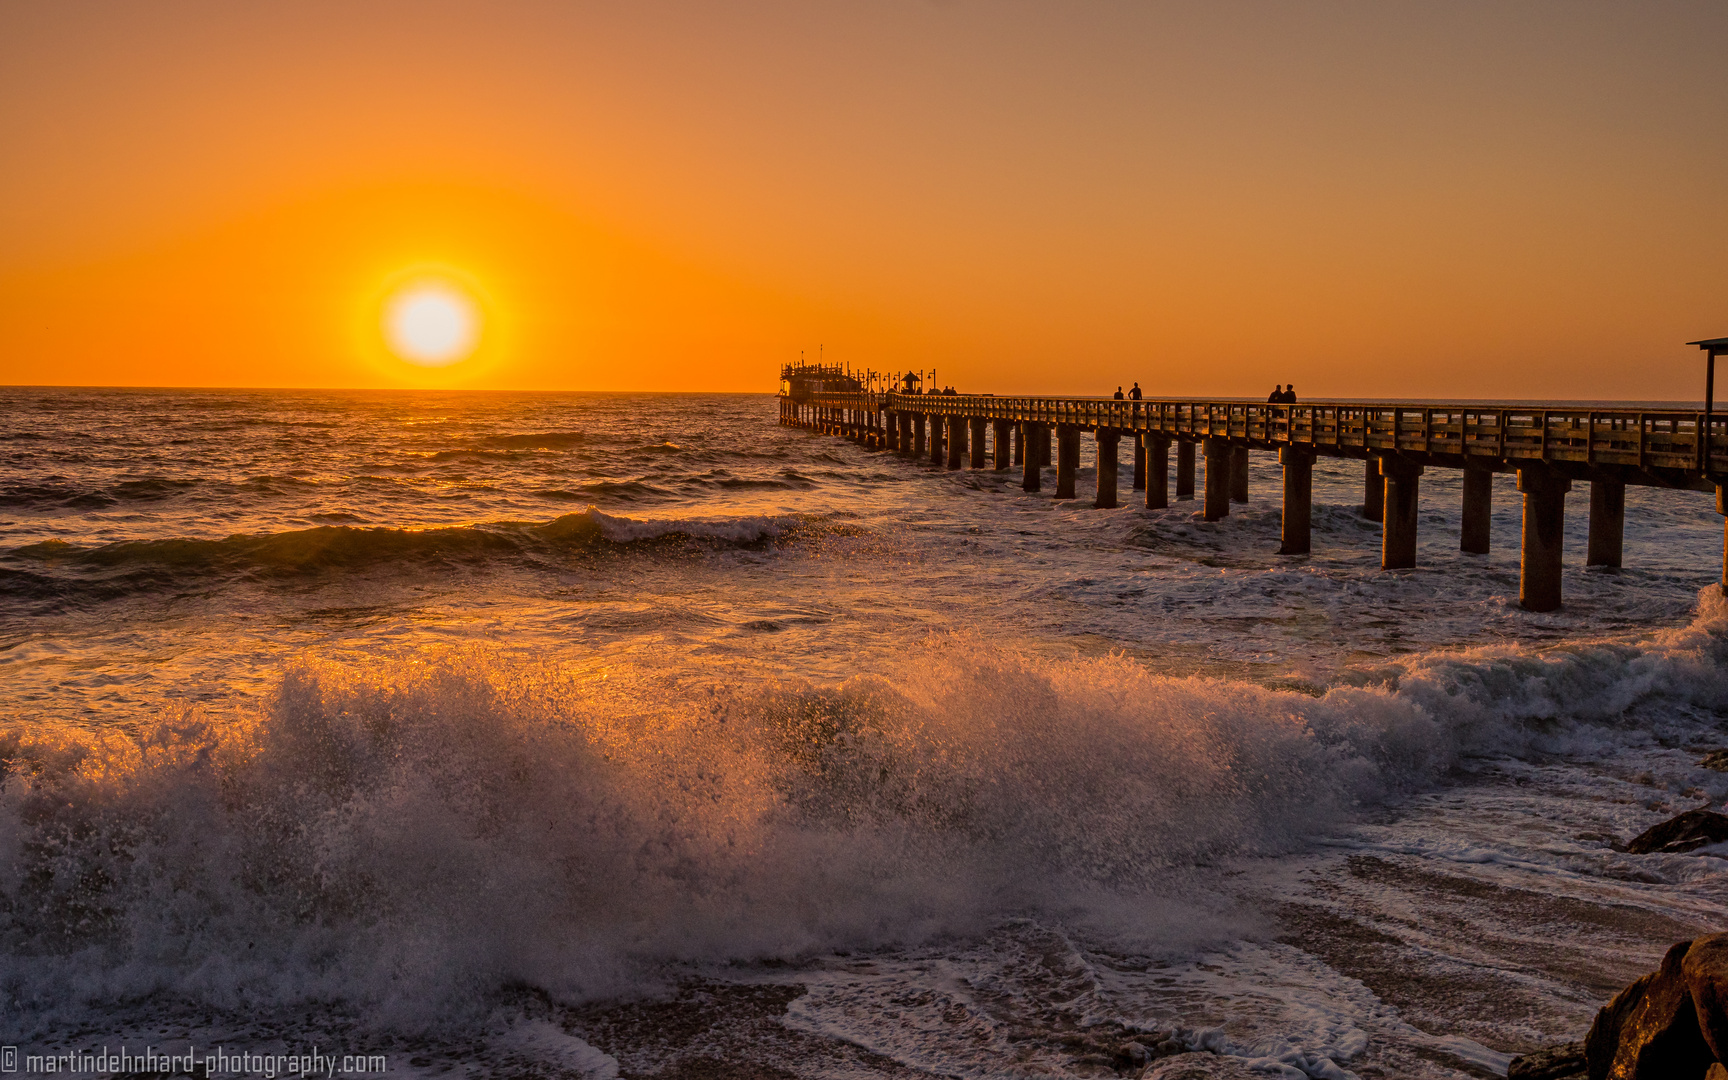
[432, 324]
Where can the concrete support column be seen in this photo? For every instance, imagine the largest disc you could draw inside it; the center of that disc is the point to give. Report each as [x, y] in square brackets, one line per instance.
[1478, 508]
[1157, 449]
[1298, 462]
[1398, 537]
[1373, 491]
[1044, 457]
[1001, 447]
[1607, 522]
[1140, 461]
[1544, 527]
[1184, 469]
[956, 441]
[1030, 479]
[1067, 459]
[1020, 444]
[1217, 502]
[1722, 508]
[1107, 440]
[978, 423]
[1239, 474]
[936, 440]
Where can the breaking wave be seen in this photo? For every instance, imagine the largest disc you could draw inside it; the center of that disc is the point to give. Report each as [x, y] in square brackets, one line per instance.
[413, 835]
[57, 569]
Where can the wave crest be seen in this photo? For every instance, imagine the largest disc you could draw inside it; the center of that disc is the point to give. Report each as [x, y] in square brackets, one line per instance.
[406, 832]
[57, 569]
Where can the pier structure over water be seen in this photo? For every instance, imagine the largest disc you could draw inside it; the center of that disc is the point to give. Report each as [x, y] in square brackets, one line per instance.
[1548, 447]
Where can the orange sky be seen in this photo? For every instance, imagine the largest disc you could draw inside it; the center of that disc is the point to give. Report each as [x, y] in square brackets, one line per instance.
[1375, 198]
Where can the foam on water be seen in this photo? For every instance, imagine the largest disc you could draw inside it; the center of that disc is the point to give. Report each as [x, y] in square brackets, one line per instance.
[411, 836]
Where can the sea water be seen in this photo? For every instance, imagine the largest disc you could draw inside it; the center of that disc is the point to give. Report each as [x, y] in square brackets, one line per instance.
[588, 735]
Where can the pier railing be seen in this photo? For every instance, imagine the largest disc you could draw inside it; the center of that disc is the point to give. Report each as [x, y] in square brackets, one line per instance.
[1640, 439]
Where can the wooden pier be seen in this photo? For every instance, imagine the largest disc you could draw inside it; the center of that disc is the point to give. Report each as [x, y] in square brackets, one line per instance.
[1548, 447]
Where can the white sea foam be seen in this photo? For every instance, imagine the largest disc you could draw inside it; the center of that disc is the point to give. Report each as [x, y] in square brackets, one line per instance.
[409, 835]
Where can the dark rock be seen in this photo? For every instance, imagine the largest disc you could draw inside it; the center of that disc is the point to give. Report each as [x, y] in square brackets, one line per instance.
[1706, 972]
[1678, 835]
[1650, 1030]
[1132, 1055]
[1555, 1063]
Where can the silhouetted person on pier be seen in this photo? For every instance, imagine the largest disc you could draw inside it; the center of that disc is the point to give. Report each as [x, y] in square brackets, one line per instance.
[1135, 393]
[1277, 395]
[1119, 396]
[1289, 397]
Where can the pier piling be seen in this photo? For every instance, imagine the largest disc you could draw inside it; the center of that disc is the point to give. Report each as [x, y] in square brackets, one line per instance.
[1398, 537]
[936, 437]
[1217, 502]
[1298, 462]
[1031, 478]
[956, 441]
[999, 434]
[1607, 523]
[1239, 474]
[1184, 469]
[1157, 448]
[1044, 457]
[1107, 466]
[1373, 491]
[1478, 508]
[1544, 529]
[1067, 459]
[1722, 508]
[978, 424]
[1140, 462]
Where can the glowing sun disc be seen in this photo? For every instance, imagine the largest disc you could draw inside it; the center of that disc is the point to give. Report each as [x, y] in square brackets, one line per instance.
[431, 325]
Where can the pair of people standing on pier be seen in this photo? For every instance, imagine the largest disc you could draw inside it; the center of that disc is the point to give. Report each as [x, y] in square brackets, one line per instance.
[1133, 394]
[1281, 396]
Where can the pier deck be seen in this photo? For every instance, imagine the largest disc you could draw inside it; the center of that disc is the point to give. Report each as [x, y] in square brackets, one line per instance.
[1657, 447]
[1548, 446]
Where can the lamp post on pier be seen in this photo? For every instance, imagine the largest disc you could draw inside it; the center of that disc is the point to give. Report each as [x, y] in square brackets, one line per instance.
[1713, 347]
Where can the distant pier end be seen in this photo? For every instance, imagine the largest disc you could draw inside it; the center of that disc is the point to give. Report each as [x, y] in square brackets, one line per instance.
[1547, 447]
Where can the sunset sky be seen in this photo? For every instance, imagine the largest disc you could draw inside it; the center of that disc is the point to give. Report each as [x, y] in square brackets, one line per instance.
[1373, 199]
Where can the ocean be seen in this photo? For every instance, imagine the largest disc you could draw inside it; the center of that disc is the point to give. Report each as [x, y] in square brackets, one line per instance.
[636, 735]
